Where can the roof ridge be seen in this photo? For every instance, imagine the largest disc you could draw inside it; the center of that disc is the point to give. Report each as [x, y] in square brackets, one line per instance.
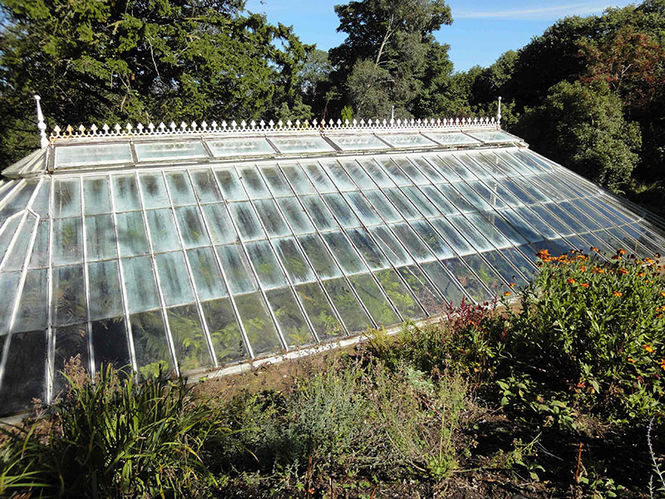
[129, 130]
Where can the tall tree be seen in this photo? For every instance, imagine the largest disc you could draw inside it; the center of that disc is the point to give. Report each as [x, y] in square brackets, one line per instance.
[383, 60]
[140, 60]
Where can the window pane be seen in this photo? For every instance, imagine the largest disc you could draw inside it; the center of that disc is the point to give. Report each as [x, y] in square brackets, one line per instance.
[447, 286]
[295, 215]
[319, 213]
[69, 301]
[69, 341]
[40, 250]
[419, 200]
[105, 295]
[162, 230]
[470, 282]
[131, 234]
[173, 279]
[100, 237]
[180, 188]
[238, 273]
[353, 316]
[154, 191]
[422, 289]
[258, 324]
[191, 227]
[346, 256]
[150, 345]
[276, 181]
[403, 206]
[383, 206]
[391, 246]
[219, 223]
[358, 174]
[253, 182]
[412, 243]
[376, 173]
[24, 379]
[96, 195]
[90, 155]
[224, 331]
[67, 200]
[240, 146]
[323, 264]
[319, 311]
[374, 301]
[319, 177]
[207, 276]
[230, 184]
[271, 218]
[368, 249]
[32, 315]
[246, 220]
[169, 150]
[189, 341]
[432, 239]
[298, 269]
[109, 342]
[362, 208]
[68, 241]
[205, 186]
[140, 284]
[399, 294]
[298, 179]
[341, 210]
[266, 266]
[395, 173]
[339, 176]
[289, 317]
[125, 193]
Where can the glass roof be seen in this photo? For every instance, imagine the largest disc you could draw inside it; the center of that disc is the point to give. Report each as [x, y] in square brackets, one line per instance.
[201, 265]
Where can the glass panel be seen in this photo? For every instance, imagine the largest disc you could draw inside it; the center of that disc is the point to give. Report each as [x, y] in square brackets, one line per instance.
[32, 313]
[125, 193]
[230, 184]
[395, 173]
[319, 213]
[131, 234]
[486, 273]
[100, 237]
[353, 316]
[8, 288]
[370, 294]
[447, 286]
[163, 235]
[150, 344]
[493, 136]
[368, 249]
[357, 174]
[98, 154]
[253, 182]
[432, 239]
[272, 220]
[189, 341]
[24, 378]
[69, 342]
[259, 326]
[339, 176]
[96, 195]
[541, 227]
[434, 195]
[276, 181]
[296, 267]
[40, 249]
[173, 279]
[341, 210]
[224, 331]
[417, 198]
[470, 282]
[452, 238]
[298, 179]
[41, 201]
[180, 188]
[358, 142]
[68, 241]
[488, 230]
[240, 146]
[319, 311]
[391, 246]
[452, 138]
[69, 302]
[140, 284]
[551, 220]
[246, 220]
[504, 227]
[407, 166]
[205, 186]
[403, 206]
[301, 144]
[344, 252]
[518, 223]
[447, 169]
[154, 191]
[109, 342]
[376, 173]
[383, 206]
[16, 257]
[67, 200]
[518, 260]
[319, 177]
[105, 295]
[219, 224]
[422, 289]
[412, 243]
[238, 273]
[407, 140]
[323, 264]
[362, 208]
[399, 294]
[425, 167]
[295, 215]
[191, 227]
[266, 267]
[207, 276]
[471, 235]
[289, 317]
[169, 150]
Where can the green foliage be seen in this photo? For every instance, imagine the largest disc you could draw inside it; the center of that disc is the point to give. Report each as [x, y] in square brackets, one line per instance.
[583, 127]
[96, 61]
[114, 438]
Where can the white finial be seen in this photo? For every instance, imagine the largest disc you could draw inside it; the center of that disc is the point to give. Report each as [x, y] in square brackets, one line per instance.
[392, 114]
[498, 114]
[43, 140]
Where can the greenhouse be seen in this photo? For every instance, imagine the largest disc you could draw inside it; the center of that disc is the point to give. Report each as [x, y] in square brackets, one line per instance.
[197, 247]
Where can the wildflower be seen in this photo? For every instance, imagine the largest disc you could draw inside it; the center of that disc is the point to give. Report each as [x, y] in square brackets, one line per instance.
[648, 348]
[543, 253]
[583, 268]
[571, 280]
[616, 293]
[662, 293]
[621, 251]
[512, 284]
[662, 364]
[623, 271]
[507, 293]
[648, 260]
[593, 248]
[641, 274]
[597, 270]
[584, 284]
[631, 360]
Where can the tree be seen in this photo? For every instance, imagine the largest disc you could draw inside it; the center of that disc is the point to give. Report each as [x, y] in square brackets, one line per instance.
[382, 62]
[140, 60]
[582, 127]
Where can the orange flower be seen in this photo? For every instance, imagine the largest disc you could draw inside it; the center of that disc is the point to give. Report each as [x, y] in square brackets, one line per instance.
[598, 270]
[648, 348]
[662, 364]
[662, 293]
[631, 360]
[616, 293]
[507, 293]
[623, 271]
[583, 268]
[512, 284]
[584, 284]
[543, 253]
[648, 260]
[621, 251]
[570, 280]
[593, 248]
[641, 274]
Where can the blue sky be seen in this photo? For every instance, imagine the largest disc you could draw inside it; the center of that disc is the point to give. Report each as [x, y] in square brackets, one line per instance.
[481, 31]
